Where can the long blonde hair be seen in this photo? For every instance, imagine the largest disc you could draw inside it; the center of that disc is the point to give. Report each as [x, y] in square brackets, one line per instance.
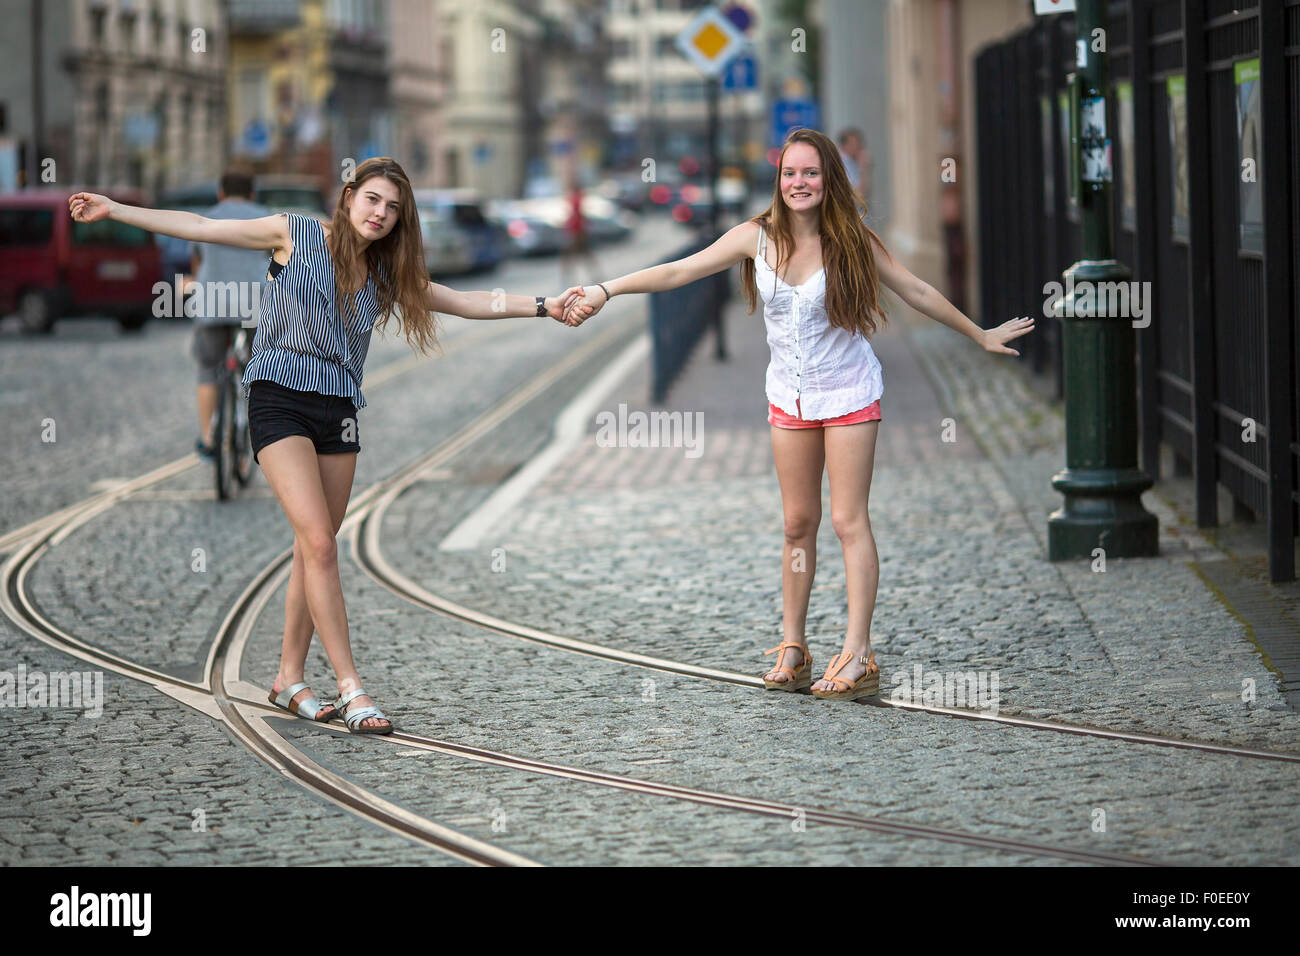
[852, 282]
[396, 261]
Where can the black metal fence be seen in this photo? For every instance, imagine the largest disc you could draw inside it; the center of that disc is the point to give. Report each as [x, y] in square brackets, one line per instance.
[1204, 118]
[679, 317]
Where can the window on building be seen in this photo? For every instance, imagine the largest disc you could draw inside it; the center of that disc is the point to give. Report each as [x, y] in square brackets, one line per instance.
[126, 27]
[187, 128]
[453, 167]
[160, 116]
[621, 47]
[448, 63]
[98, 15]
[252, 92]
[156, 25]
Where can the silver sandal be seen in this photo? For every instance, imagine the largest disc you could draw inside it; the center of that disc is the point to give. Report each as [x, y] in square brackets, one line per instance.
[354, 719]
[309, 709]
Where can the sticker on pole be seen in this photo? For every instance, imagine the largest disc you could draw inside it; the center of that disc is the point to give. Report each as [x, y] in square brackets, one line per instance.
[1094, 144]
[709, 41]
[1053, 6]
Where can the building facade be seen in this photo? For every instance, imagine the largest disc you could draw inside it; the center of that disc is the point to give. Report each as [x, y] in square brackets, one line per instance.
[658, 103]
[116, 92]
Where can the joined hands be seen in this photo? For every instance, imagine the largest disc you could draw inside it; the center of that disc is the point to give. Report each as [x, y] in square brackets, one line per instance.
[580, 305]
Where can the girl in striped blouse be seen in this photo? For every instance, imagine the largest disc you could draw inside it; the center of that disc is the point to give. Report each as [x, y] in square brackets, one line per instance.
[328, 286]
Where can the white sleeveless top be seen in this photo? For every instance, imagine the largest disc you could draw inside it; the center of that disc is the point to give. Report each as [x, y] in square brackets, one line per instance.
[830, 370]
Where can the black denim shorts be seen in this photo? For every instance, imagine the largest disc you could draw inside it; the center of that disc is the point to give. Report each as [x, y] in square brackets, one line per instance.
[276, 412]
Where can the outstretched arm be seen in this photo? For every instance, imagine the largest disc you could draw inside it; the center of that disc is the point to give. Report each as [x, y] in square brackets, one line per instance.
[269, 232]
[733, 246]
[495, 305]
[923, 297]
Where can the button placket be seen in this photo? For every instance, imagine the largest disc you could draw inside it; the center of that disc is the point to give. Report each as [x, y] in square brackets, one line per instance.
[794, 314]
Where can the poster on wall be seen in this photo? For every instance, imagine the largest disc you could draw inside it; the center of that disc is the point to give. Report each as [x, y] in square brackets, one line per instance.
[1245, 74]
[1176, 90]
[1127, 147]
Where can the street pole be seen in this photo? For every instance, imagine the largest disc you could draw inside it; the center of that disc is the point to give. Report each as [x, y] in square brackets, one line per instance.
[711, 91]
[38, 97]
[1102, 483]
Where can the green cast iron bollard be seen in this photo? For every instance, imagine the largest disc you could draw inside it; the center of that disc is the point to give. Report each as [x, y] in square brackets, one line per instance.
[1102, 483]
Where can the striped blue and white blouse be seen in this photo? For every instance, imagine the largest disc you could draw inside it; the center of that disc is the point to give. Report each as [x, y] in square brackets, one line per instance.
[300, 341]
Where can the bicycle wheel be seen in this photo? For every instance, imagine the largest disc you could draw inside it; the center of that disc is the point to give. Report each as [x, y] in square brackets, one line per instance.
[243, 444]
[223, 435]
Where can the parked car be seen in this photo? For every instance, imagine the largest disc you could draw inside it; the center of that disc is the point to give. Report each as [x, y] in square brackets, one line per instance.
[292, 193]
[528, 233]
[626, 189]
[447, 248]
[695, 201]
[52, 267]
[606, 222]
[278, 192]
[464, 210]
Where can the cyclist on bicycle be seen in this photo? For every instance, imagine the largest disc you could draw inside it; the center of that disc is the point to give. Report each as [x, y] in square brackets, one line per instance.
[214, 266]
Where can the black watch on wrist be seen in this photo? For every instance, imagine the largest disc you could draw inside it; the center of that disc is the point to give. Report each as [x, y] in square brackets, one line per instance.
[541, 306]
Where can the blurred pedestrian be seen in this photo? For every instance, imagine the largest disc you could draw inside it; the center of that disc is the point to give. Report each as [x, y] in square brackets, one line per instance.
[577, 247]
[213, 266]
[330, 283]
[857, 161]
[821, 301]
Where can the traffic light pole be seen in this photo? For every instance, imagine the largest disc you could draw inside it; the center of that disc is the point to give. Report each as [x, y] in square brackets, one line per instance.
[1102, 483]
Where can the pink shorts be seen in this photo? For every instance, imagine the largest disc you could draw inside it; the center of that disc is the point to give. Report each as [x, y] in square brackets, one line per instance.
[781, 420]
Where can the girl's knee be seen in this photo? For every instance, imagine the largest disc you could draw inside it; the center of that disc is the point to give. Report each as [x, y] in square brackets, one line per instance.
[800, 527]
[852, 527]
[317, 546]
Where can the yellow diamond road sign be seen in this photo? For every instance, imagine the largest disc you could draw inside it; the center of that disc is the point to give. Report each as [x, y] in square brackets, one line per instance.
[710, 41]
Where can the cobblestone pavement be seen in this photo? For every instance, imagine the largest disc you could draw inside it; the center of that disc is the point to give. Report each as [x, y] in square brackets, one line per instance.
[616, 532]
[657, 551]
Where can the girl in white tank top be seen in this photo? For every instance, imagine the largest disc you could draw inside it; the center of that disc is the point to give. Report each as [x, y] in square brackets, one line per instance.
[823, 384]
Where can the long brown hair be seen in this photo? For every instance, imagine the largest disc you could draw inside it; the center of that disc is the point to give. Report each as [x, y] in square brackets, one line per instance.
[852, 283]
[396, 261]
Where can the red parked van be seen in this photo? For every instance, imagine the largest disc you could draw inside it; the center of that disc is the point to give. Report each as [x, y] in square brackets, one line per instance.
[52, 267]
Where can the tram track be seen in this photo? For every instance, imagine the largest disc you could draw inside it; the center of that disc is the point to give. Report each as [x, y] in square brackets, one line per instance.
[223, 696]
[244, 718]
[370, 558]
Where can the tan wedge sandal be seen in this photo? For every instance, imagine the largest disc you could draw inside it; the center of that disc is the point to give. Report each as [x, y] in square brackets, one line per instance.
[867, 685]
[800, 677]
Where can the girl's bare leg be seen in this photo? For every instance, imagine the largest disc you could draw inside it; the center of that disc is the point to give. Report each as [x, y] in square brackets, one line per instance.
[313, 491]
[800, 459]
[336, 479]
[850, 459]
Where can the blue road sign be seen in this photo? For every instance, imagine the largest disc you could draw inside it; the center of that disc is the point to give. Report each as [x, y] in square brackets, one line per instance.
[739, 16]
[741, 73]
[791, 114]
[257, 137]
